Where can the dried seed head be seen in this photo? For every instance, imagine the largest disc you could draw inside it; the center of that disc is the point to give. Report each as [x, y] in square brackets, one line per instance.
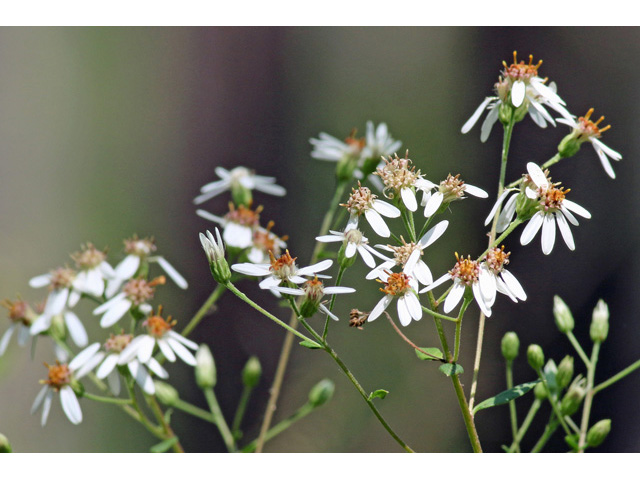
[139, 290]
[357, 318]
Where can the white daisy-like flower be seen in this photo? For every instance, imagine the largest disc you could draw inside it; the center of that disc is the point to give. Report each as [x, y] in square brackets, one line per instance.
[93, 270]
[379, 142]
[21, 316]
[362, 201]
[238, 225]
[107, 360]
[313, 291]
[62, 292]
[281, 270]
[135, 294]
[403, 288]
[519, 86]
[408, 255]
[265, 241]
[235, 178]
[585, 130]
[58, 381]
[329, 148]
[465, 273]
[498, 278]
[399, 177]
[139, 250]
[451, 189]
[553, 208]
[159, 332]
[355, 242]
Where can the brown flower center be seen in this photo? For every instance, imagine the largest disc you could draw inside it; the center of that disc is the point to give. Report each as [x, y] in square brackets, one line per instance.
[396, 284]
[466, 270]
[59, 375]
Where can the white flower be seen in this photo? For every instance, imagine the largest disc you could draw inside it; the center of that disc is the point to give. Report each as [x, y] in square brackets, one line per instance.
[21, 316]
[138, 250]
[362, 201]
[281, 270]
[93, 270]
[498, 279]
[465, 273]
[265, 241]
[238, 225]
[314, 290]
[238, 177]
[400, 178]
[519, 86]
[355, 242]
[553, 208]
[170, 343]
[451, 189]
[585, 130]
[404, 288]
[134, 294]
[379, 142]
[333, 150]
[58, 381]
[409, 255]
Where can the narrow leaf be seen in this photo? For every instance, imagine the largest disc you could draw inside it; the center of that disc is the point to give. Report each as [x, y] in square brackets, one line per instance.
[506, 396]
[378, 394]
[451, 369]
[164, 445]
[434, 354]
[310, 344]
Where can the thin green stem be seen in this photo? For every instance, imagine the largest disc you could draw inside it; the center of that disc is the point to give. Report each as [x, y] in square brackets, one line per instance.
[204, 309]
[554, 403]
[101, 399]
[425, 226]
[578, 348]
[512, 226]
[512, 405]
[168, 431]
[588, 399]
[193, 410]
[333, 300]
[549, 430]
[458, 334]
[219, 420]
[535, 406]
[618, 376]
[240, 410]
[302, 412]
[439, 315]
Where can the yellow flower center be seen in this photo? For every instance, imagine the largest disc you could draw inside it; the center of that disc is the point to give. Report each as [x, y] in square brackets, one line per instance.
[466, 270]
[589, 129]
[59, 376]
[520, 70]
[396, 284]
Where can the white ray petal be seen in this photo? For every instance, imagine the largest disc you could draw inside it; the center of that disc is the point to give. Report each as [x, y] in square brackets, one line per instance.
[514, 285]
[380, 307]
[480, 300]
[337, 289]
[433, 204]
[403, 312]
[327, 312]
[518, 91]
[115, 313]
[377, 223]
[489, 122]
[39, 398]
[83, 356]
[252, 269]
[608, 151]
[46, 406]
[475, 191]
[316, 267]
[56, 301]
[127, 267]
[92, 363]
[70, 405]
[413, 305]
[409, 199]
[145, 348]
[537, 175]
[40, 281]
[172, 272]
[156, 368]
[548, 233]
[575, 208]
[142, 377]
[476, 115]
[438, 282]
[166, 350]
[454, 297]
[76, 329]
[107, 366]
[350, 250]
[434, 233]
[565, 231]
[423, 273]
[181, 351]
[496, 205]
[183, 340]
[531, 229]
[605, 162]
[4, 342]
[236, 235]
[366, 256]
[385, 209]
[506, 215]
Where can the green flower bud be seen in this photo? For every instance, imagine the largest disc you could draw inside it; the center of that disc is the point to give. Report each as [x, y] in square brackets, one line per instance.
[573, 398]
[5, 446]
[535, 356]
[505, 112]
[570, 145]
[562, 314]
[510, 346]
[166, 393]
[597, 433]
[565, 372]
[241, 195]
[540, 391]
[313, 293]
[251, 372]
[205, 368]
[321, 392]
[600, 322]
[214, 249]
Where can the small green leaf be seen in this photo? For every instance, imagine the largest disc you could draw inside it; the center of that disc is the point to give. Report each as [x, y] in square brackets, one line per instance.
[378, 394]
[451, 369]
[506, 396]
[310, 344]
[434, 354]
[164, 445]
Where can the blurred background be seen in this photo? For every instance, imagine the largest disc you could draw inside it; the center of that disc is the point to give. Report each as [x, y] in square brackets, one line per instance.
[107, 132]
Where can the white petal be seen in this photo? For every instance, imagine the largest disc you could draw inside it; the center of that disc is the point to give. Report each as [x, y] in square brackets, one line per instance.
[380, 307]
[537, 175]
[476, 115]
[185, 341]
[210, 216]
[82, 357]
[145, 348]
[166, 350]
[272, 281]
[385, 209]
[4, 342]
[142, 378]
[548, 233]
[271, 189]
[502, 288]
[531, 229]
[480, 300]
[433, 234]
[156, 368]
[514, 285]
[115, 313]
[605, 162]
[454, 297]
[377, 223]
[608, 151]
[495, 207]
[409, 199]
[366, 256]
[536, 113]
[131, 350]
[438, 282]
[412, 261]
[403, 312]
[107, 366]
[128, 267]
[575, 208]
[236, 235]
[56, 301]
[113, 379]
[39, 398]
[42, 323]
[92, 363]
[335, 290]
[288, 290]
[23, 335]
[413, 305]
[210, 190]
[76, 329]
[182, 352]
[565, 231]
[40, 281]
[488, 123]
[252, 269]
[70, 405]
[330, 238]
[422, 273]
[327, 312]
[46, 406]
[172, 272]
[488, 287]
[475, 191]
[316, 267]
[569, 216]
[518, 91]
[506, 216]
[433, 204]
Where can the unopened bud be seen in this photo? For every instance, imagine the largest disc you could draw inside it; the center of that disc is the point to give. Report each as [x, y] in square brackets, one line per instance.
[313, 293]
[600, 322]
[510, 346]
[597, 433]
[562, 314]
[251, 372]
[569, 146]
[535, 356]
[565, 372]
[573, 398]
[166, 393]
[205, 368]
[5, 446]
[214, 249]
[540, 391]
[241, 195]
[321, 392]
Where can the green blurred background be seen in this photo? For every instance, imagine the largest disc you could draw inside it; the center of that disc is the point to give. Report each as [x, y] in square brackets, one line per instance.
[107, 132]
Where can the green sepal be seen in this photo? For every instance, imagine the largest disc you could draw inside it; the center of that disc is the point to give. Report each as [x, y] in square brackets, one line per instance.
[572, 441]
[164, 445]
[436, 352]
[451, 369]
[506, 396]
[310, 344]
[378, 394]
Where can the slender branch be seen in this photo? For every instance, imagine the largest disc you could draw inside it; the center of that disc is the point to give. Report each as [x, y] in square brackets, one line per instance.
[549, 430]
[618, 376]
[302, 412]
[439, 315]
[219, 420]
[535, 406]
[204, 309]
[406, 339]
[588, 400]
[578, 348]
[333, 300]
[242, 407]
[512, 405]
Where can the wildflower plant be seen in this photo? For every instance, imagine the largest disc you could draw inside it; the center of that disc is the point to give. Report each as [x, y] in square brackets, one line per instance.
[405, 210]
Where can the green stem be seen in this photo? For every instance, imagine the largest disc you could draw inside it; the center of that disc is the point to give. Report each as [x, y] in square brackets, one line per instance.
[425, 226]
[458, 334]
[512, 405]
[204, 309]
[588, 400]
[193, 410]
[302, 412]
[242, 407]
[512, 226]
[549, 430]
[618, 376]
[439, 315]
[333, 300]
[554, 403]
[114, 401]
[578, 348]
[168, 432]
[535, 406]
[219, 420]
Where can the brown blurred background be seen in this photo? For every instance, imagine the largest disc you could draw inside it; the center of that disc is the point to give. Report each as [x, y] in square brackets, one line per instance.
[106, 132]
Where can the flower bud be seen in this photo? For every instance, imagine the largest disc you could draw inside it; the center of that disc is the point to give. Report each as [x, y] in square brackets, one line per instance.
[214, 249]
[535, 356]
[321, 392]
[166, 393]
[205, 368]
[5, 446]
[597, 433]
[540, 391]
[565, 372]
[573, 398]
[569, 146]
[562, 314]
[510, 346]
[251, 372]
[600, 322]
[241, 195]
[313, 293]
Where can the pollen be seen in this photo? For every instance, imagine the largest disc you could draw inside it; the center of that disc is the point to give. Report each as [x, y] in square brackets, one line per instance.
[590, 129]
[397, 284]
[396, 174]
[117, 343]
[139, 290]
[59, 375]
[452, 188]
[158, 326]
[466, 270]
[496, 259]
[88, 257]
[359, 201]
[284, 266]
[403, 252]
[243, 215]
[551, 198]
[521, 70]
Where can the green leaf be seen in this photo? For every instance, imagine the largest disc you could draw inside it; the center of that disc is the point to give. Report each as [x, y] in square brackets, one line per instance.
[164, 445]
[436, 352]
[451, 369]
[378, 394]
[310, 344]
[506, 396]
